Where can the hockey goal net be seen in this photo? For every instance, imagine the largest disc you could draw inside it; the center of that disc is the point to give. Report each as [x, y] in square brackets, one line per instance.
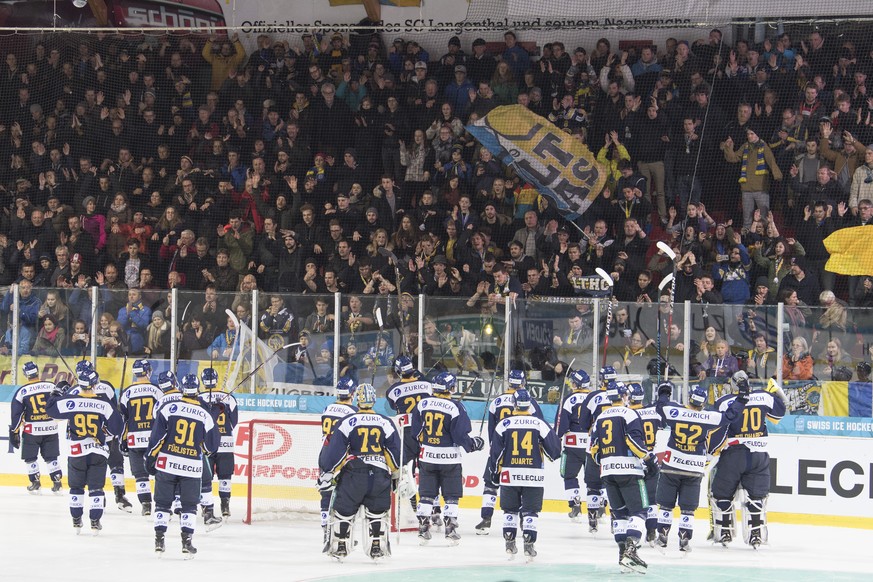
[280, 463]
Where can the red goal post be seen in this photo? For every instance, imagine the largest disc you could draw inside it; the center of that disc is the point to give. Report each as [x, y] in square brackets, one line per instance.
[279, 461]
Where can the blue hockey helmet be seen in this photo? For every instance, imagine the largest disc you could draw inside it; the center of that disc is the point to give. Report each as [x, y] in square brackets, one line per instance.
[516, 379]
[63, 386]
[635, 389]
[345, 388]
[83, 367]
[607, 373]
[403, 366]
[366, 396]
[167, 381]
[190, 384]
[697, 395]
[616, 390]
[522, 399]
[209, 377]
[579, 380]
[142, 368]
[444, 383]
[87, 380]
[30, 370]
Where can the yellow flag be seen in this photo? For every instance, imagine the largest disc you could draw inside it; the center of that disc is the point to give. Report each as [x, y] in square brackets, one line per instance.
[851, 251]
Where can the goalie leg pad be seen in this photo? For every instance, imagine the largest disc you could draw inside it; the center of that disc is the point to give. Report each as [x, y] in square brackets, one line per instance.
[340, 529]
[406, 488]
[377, 529]
[722, 517]
[755, 519]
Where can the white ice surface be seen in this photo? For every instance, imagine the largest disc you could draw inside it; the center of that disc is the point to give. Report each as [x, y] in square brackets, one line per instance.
[39, 544]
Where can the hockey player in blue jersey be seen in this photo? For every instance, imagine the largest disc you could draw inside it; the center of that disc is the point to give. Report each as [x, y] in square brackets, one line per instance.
[183, 431]
[500, 408]
[574, 439]
[34, 430]
[591, 407]
[442, 426]
[403, 396]
[224, 411]
[651, 424]
[684, 461]
[169, 385]
[519, 448]
[618, 446]
[137, 406]
[91, 419]
[744, 461]
[116, 459]
[362, 454]
[333, 413]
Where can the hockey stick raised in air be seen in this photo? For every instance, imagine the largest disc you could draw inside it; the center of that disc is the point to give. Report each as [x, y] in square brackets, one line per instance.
[235, 320]
[609, 282]
[561, 395]
[261, 365]
[181, 324]
[491, 389]
[664, 282]
[61, 356]
[381, 323]
[665, 248]
[402, 327]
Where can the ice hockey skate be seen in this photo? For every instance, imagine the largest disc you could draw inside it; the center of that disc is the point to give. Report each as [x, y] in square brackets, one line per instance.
[483, 528]
[630, 561]
[188, 550]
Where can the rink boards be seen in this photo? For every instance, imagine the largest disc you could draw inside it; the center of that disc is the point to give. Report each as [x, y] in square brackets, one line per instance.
[817, 479]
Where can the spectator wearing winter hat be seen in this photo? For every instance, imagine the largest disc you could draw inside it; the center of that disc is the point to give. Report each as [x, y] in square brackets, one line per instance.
[158, 337]
[802, 280]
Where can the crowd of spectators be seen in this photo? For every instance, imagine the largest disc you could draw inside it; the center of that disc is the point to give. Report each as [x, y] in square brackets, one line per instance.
[142, 164]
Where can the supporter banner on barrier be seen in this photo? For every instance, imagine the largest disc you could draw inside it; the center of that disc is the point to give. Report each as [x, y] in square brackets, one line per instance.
[109, 369]
[556, 163]
[655, 13]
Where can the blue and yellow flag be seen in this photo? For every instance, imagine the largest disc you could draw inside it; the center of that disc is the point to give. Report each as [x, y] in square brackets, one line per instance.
[556, 163]
[851, 253]
[854, 399]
